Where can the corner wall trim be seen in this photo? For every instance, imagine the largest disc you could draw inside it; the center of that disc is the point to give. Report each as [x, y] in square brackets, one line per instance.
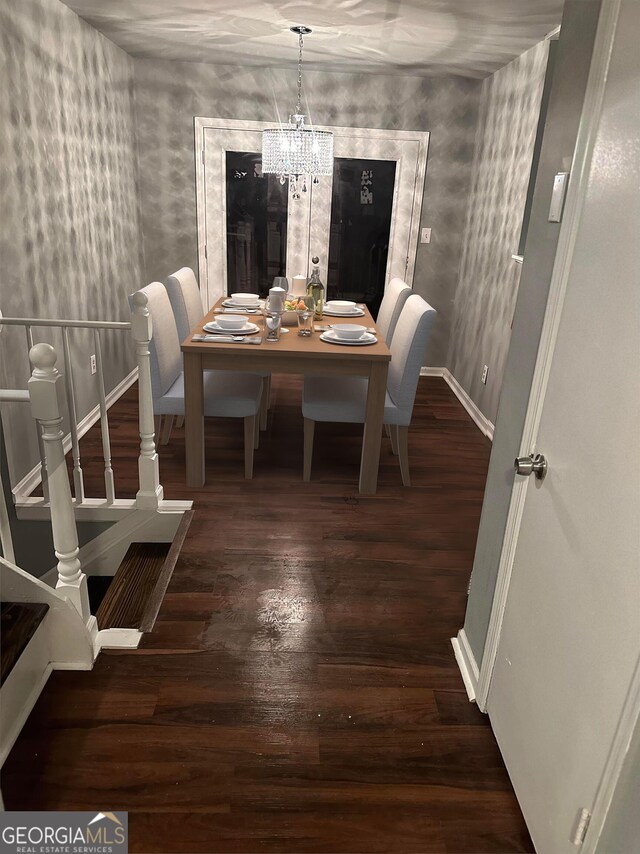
[467, 663]
[481, 421]
[29, 482]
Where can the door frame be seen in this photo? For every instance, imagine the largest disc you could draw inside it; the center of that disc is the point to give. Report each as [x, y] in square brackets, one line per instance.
[576, 193]
[201, 124]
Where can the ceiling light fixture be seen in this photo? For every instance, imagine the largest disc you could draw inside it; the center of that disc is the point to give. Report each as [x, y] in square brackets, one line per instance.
[293, 151]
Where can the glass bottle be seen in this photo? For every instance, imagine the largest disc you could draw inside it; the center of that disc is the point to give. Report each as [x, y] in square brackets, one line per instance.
[315, 288]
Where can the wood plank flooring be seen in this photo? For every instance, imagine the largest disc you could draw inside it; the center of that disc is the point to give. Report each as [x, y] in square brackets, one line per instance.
[298, 692]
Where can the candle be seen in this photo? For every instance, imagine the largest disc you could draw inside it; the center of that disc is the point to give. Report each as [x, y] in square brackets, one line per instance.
[300, 286]
[276, 299]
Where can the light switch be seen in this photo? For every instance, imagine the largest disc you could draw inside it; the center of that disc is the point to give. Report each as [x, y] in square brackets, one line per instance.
[558, 195]
[425, 237]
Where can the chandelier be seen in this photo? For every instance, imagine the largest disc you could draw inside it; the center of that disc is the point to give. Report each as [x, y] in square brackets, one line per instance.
[294, 152]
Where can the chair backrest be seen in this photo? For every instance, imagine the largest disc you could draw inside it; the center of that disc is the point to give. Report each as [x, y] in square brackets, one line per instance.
[186, 300]
[164, 347]
[407, 352]
[396, 294]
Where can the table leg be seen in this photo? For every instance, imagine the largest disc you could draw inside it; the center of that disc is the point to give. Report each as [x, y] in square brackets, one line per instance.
[194, 419]
[372, 438]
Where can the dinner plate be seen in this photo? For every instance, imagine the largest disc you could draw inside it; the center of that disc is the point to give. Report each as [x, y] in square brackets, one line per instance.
[247, 329]
[229, 303]
[358, 312]
[331, 338]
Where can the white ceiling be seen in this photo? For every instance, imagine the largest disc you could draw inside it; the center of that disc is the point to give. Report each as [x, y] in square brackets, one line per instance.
[469, 37]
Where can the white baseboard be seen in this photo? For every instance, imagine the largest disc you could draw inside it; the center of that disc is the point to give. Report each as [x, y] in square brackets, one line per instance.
[34, 477]
[467, 663]
[481, 420]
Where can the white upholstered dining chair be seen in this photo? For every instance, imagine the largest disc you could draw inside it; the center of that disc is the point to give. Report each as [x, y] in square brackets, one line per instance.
[344, 399]
[186, 302]
[227, 394]
[396, 294]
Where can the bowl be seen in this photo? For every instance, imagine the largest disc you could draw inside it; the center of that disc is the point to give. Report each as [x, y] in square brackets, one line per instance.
[231, 321]
[245, 299]
[349, 331]
[290, 316]
[340, 304]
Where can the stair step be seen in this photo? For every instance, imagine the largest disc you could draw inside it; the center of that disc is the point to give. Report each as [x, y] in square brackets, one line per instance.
[97, 586]
[133, 598]
[135, 579]
[18, 624]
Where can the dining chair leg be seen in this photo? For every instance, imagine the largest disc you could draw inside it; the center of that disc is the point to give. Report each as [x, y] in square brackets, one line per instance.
[249, 439]
[256, 433]
[393, 435]
[387, 430]
[157, 425]
[264, 402]
[402, 438]
[167, 427]
[179, 421]
[309, 430]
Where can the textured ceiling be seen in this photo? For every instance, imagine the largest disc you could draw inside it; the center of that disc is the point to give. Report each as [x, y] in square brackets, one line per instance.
[469, 37]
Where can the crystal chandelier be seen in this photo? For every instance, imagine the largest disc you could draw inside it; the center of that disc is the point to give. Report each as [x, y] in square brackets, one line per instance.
[293, 151]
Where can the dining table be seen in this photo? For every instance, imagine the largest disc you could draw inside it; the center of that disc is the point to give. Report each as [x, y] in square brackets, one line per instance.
[290, 354]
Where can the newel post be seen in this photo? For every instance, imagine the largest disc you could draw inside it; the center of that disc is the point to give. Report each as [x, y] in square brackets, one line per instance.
[150, 492]
[46, 390]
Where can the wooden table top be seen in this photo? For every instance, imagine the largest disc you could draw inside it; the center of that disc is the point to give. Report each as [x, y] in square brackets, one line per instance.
[291, 344]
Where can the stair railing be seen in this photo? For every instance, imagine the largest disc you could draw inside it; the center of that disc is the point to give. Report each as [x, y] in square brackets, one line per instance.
[150, 492]
[6, 540]
[46, 391]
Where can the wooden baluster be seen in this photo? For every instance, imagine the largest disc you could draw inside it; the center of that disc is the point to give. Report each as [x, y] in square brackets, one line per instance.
[150, 491]
[78, 479]
[104, 423]
[45, 483]
[47, 405]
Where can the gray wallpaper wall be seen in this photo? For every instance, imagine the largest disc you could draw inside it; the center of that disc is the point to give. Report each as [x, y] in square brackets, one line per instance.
[170, 94]
[70, 242]
[485, 298]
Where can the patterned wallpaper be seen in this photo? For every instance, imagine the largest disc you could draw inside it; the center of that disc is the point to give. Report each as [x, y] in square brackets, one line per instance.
[485, 298]
[170, 94]
[70, 232]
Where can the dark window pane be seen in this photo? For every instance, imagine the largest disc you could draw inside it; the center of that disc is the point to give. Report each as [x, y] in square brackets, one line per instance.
[360, 223]
[256, 224]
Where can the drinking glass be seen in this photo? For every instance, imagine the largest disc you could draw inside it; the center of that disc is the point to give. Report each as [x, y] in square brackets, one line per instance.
[305, 316]
[273, 324]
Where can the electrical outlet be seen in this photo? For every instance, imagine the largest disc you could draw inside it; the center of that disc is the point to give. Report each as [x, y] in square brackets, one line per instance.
[425, 236]
[485, 371]
[92, 362]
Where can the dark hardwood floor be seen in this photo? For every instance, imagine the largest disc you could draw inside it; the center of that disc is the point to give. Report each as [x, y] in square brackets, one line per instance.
[299, 691]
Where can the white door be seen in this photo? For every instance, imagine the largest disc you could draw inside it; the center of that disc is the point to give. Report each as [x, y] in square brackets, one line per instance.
[309, 229]
[570, 641]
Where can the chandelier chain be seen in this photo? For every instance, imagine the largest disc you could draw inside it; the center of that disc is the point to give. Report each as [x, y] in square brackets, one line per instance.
[300, 46]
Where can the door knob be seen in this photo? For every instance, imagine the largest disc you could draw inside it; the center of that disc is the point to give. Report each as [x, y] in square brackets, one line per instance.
[531, 465]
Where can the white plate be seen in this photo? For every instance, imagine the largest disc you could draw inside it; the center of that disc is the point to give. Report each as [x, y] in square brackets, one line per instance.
[357, 313]
[330, 337]
[252, 306]
[247, 329]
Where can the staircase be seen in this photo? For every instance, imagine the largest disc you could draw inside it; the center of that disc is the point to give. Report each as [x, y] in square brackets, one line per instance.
[132, 599]
[128, 566]
[19, 621]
